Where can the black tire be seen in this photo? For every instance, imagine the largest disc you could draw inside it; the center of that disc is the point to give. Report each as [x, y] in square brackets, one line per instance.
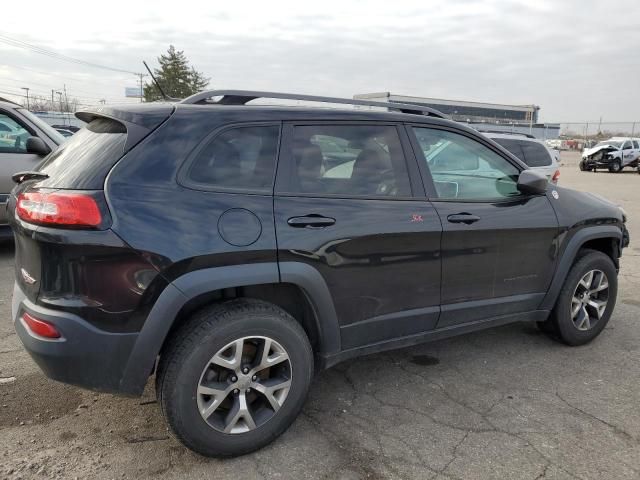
[582, 167]
[615, 167]
[193, 346]
[560, 324]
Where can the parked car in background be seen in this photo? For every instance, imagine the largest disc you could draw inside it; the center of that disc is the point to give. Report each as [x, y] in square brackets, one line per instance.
[24, 140]
[535, 153]
[64, 132]
[613, 154]
[71, 128]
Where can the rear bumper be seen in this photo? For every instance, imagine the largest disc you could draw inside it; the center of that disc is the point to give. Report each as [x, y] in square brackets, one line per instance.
[85, 356]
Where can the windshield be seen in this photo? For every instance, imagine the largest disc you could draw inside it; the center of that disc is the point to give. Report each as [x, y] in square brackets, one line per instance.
[613, 143]
[42, 125]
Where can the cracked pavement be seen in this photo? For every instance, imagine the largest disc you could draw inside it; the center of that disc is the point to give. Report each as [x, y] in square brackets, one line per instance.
[504, 403]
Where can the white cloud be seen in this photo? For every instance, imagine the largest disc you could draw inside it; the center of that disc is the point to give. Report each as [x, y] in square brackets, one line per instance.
[576, 59]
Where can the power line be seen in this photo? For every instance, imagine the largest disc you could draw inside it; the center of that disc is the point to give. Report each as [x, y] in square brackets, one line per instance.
[104, 82]
[58, 56]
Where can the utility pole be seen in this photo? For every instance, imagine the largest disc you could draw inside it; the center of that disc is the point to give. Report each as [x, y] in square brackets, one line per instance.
[53, 105]
[26, 89]
[141, 75]
[60, 99]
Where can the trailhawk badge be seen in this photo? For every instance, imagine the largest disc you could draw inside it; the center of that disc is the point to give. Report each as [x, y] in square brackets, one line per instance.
[554, 194]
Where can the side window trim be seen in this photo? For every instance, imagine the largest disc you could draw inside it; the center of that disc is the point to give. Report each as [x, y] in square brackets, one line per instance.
[286, 164]
[182, 177]
[429, 184]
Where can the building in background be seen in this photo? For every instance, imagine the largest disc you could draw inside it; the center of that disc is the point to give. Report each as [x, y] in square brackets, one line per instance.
[482, 116]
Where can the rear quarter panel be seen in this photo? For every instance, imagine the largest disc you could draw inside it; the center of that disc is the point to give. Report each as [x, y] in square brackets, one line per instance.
[177, 227]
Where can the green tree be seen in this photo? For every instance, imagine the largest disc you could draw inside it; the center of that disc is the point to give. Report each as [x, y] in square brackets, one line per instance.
[176, 77]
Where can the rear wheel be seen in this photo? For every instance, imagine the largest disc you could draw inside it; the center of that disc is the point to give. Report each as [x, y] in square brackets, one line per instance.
[586, 300]
[234, 377]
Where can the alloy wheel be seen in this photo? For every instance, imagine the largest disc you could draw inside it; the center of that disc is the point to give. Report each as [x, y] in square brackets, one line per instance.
[244, 384]
[590, 299]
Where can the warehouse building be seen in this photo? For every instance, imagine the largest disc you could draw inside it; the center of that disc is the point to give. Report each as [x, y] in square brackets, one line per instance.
[485, 116]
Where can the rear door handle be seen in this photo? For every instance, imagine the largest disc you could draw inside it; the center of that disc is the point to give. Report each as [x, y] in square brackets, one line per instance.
[311, 221]
[466, 218]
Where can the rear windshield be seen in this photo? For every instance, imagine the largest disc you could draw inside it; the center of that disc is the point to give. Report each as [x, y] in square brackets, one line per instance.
[531, 153]
[85, 159]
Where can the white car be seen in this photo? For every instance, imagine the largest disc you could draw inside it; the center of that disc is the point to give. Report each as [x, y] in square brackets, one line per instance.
[535, 153]
[613, 154]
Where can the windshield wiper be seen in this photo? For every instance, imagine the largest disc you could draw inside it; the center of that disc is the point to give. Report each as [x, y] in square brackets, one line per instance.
[28, 175]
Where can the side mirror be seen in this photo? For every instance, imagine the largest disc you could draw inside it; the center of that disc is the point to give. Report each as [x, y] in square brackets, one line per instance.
[532, 183]
[36, 145]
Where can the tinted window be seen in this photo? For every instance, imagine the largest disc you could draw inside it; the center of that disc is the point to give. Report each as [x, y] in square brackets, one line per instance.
[531, 153]
[13, 136]
[84, 160]
[635, 144]
[239, 158]
[514, 146]
[626, 145]
[351, 160]
[463, 168]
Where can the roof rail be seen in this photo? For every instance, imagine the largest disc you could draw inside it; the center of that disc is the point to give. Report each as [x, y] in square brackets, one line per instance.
[242, 97]
[507, 132]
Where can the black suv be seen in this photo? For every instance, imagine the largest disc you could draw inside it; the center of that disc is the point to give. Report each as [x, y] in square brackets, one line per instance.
[232, 248]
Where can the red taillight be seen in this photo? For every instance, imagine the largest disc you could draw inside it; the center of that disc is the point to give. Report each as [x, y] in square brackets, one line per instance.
[40, 327]
[59, 208]
[556, 176]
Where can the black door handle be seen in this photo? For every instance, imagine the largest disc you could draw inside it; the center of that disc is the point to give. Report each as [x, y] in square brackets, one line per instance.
[465, 218]
[311, 221]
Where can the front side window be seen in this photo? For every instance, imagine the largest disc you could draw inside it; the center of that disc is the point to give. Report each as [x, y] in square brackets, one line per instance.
[626, 145]
[464, 169]
[349, 160]
[13, 136]
[239, 158]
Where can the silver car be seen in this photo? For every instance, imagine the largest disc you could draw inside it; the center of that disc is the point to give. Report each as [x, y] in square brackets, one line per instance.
[531, 151]
[24, 141]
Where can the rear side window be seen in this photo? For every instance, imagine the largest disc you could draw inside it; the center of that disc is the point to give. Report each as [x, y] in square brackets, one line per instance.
[348, 160]
[85, 159]
[241, 158]
[531, 153]
[635, 144]
[514, 146]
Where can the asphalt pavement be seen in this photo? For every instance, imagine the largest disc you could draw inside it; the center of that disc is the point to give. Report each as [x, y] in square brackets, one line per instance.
[507, 403]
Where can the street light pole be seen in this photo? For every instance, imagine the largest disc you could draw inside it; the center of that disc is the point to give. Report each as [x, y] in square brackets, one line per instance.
[27, 90]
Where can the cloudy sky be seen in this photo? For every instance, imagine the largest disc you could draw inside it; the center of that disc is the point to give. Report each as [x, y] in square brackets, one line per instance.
[578, 60]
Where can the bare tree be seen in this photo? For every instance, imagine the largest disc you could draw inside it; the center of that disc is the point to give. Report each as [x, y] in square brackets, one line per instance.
[40, 103]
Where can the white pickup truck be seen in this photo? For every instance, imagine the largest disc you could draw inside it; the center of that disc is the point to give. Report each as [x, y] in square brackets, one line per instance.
[613, 154]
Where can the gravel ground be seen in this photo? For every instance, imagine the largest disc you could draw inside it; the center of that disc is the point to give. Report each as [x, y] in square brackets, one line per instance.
[504, 403]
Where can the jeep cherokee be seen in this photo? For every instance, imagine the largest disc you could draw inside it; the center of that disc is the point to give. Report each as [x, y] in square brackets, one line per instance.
[232, 249]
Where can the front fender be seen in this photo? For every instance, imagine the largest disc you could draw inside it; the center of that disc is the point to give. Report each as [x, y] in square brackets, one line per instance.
[569, 254]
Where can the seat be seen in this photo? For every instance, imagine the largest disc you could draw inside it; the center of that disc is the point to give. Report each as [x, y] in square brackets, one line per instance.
[367, 171]
[308, 161]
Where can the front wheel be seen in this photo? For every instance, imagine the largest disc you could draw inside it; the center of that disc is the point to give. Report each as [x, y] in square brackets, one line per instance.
[615, 166]
[586, 300]
[234, 377]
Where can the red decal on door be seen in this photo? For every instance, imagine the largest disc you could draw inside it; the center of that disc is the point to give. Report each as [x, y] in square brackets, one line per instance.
[416, 218]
